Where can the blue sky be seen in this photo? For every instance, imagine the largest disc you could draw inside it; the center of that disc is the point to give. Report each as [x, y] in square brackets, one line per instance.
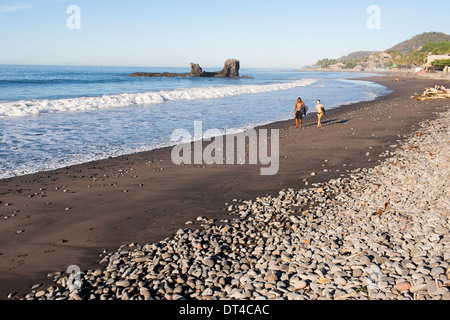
[260, 33]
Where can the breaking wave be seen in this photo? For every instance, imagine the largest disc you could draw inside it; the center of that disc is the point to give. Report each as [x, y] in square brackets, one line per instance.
[41, 106]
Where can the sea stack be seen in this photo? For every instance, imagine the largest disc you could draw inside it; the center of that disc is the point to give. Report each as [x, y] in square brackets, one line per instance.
[230, 70]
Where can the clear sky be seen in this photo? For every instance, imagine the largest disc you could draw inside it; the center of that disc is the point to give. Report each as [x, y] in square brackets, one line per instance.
[260, 33]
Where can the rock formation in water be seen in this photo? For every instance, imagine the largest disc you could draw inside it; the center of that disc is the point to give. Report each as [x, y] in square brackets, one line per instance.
[230, 70]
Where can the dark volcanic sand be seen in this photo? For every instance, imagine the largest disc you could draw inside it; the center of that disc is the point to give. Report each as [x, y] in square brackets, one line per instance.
[103, 216]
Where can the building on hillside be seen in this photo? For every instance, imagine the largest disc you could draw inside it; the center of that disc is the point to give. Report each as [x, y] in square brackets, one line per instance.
[337, 66]
[433, 57]
[428, 66]
[385, 56]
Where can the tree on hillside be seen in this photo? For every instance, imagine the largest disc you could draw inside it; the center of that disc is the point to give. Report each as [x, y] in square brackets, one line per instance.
[415, 42]
[399, 58]
[441, 63]
[441, 47]
[350, 64]
[412, 52]
[417, 58]
[325, 63]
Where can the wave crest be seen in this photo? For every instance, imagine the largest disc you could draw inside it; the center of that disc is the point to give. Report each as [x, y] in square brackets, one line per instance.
[34, 107]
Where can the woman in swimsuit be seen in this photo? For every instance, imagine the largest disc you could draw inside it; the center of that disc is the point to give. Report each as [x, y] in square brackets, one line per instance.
[320, 112]
[300, 110]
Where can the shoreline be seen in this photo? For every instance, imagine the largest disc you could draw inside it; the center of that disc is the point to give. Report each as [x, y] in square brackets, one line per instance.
[158, 202]
[161, 147]
[311, 244]
[409, 73]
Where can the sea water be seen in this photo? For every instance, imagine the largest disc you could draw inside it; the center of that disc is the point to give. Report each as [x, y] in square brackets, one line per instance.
[55, 116]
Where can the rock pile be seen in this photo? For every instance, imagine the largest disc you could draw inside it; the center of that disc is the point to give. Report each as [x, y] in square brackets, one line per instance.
[381, 233]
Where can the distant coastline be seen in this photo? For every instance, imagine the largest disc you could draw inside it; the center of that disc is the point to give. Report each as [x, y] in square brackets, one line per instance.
[410, 73]
[346, 70]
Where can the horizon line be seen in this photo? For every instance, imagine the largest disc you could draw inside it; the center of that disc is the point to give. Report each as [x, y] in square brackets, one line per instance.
[135, 66]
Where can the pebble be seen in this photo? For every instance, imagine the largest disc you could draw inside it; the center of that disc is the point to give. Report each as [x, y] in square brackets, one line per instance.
[384, 228]
[299, 284]
[437, 271]
[403, 286]
[75, 296]
[123, 283]
[432, 287]
[209, 261]
[418, 287]
[36, 286]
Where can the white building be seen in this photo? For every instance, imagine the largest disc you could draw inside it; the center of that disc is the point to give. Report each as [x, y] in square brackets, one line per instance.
[432, 58]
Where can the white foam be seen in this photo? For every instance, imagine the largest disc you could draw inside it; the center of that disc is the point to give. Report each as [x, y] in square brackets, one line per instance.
[371, 95]
[35, 107]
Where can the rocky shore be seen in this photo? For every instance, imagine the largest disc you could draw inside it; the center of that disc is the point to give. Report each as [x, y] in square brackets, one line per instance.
[380, 233]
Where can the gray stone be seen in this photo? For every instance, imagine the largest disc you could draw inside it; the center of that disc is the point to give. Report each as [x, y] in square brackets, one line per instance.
[431, 287]
[437, 271]
[209, 261]
[36, 286]
[419, 287]
[357, 273]
[299, 284]
[340, 281]
[123, 283]
[208, 292]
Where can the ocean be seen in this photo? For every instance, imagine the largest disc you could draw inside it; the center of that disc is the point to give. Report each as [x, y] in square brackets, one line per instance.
[55, 116]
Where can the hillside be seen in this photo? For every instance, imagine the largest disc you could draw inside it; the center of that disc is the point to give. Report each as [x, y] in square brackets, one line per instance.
[357, 55]
[409, 53]
[417, 41]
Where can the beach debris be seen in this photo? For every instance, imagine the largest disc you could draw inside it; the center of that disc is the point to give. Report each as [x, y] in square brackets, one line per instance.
[431, 93]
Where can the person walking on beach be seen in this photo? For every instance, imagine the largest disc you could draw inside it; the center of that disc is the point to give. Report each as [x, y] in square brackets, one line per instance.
[299, 112]
[320, 113]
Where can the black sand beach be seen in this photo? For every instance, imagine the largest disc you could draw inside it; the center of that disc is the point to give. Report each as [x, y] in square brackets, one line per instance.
[69, 216]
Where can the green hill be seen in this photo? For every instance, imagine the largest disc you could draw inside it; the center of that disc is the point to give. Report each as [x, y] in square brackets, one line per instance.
[408, 53]
[417, 41]
[357, 55]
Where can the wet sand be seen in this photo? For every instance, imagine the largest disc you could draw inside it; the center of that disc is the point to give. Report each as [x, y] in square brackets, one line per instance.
[69, 216]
